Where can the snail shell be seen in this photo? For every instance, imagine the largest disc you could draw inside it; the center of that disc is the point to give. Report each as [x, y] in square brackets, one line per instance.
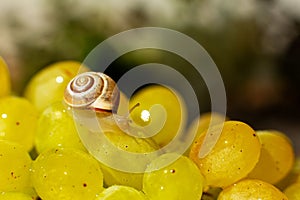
[92, 90]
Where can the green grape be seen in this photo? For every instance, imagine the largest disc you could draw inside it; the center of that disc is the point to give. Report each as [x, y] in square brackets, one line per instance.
[173, 105]
[18, 120]
[48, 85]
[199, 125]
[15, 165]
[276, 157]
[66, 174]
[292, 177]
[130, 144]
[293, 191]
[251, 189]
[234, 155]
[178, 180]
[120, 192]
[4, 79]
[56, 128]
[14, 196]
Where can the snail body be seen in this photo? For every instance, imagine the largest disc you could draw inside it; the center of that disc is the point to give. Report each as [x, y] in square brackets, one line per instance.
[92, 90]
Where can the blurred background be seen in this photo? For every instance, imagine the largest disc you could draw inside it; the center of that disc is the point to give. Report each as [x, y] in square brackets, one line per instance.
[255, 44]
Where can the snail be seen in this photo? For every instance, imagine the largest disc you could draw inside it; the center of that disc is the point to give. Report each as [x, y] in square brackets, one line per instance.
[93, 94]
[93, 90]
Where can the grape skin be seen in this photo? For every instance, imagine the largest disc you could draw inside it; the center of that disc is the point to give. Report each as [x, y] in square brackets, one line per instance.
[18, 121]
[56, 128]
[14, 196]
[4, 79]
[15, 165]
[66, 174]
[120, 192]
[276, 158]
[48, 85]
[130, 144]
[251, 189]
[293, 191]
[171, 102]
[179, 180]
[234, 155]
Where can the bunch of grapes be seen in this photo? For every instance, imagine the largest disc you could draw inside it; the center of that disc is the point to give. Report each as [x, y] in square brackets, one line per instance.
[43, 157]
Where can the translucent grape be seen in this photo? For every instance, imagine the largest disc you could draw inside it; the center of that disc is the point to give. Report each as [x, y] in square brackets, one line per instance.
[18, 120]
[293, 191]
[48, 85]
[276, 158]
[14, 196]
[252, 189]
[66, 174]
[292, 177]
[200, 124]
[56, 128]
[234, 155]
[15, 165]
[179, 180]
[4, 79]
[120, 192]
[169, 100]
[130, 144]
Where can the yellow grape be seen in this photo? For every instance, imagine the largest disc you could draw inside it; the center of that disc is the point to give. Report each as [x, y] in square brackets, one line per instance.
[234, 155]
[178, 180]
[56, 128]
[276, 157]
[14, 196]
[4, 78]
[172, 103]
[130, 144]
[293, 191]
[292, 177]
[48, 85]
[202, 123]
[121, 192]
[18, 120]
[252, 189]
[15, 165]
[68, 174]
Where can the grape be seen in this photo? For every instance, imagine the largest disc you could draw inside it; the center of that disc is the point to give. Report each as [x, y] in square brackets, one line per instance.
[14, 196]
[199, 125]
[172, 103]
[15, 165]
[130, 144]
[119, 192]
[251, 189]
[292, 177]
[48, 85]
[276, 158]
[4, 78]
[18, 120]
[179, 180]
[206, 120]
[293, 191]
[66, 174]
[234, 155]
[56, 128]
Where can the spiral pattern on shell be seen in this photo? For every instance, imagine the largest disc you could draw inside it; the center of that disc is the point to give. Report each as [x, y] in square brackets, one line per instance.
[92, 90]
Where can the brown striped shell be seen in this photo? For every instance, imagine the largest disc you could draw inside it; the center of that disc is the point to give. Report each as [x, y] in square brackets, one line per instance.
[92, 90]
